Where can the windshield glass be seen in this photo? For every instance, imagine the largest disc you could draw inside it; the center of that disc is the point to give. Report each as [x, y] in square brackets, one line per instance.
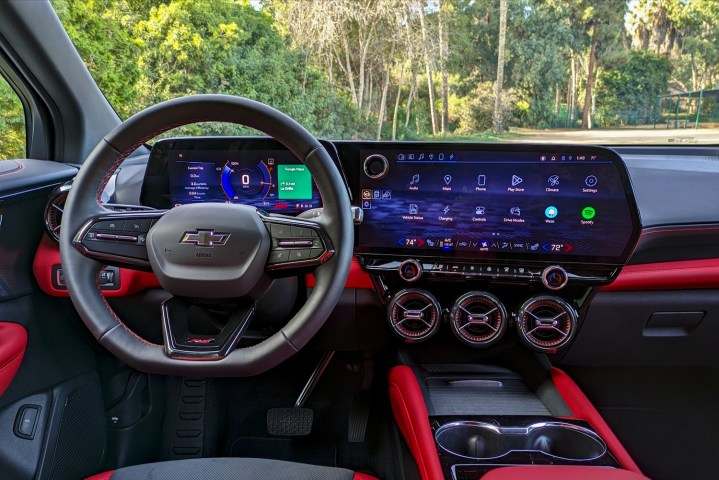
[609, 72]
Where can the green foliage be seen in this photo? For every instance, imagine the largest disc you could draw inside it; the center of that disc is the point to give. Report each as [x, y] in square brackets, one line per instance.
[635, 86]
[12, 123]
[141, 53]
[476, 111]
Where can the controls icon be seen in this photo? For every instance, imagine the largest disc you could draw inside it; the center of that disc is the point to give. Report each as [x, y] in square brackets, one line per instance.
[516, 180]
[479, 210]
[588, 213]
[591, 181]
[551, 212]
[553, 181]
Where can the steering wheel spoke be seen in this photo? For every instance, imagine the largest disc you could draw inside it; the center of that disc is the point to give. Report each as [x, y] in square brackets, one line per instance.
[180, 317]
[297, 244]
[118, 238]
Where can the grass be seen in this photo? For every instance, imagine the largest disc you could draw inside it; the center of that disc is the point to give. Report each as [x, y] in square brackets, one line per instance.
[487, 136]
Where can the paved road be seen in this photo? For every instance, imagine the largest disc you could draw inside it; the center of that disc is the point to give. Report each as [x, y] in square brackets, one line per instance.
[660, 136]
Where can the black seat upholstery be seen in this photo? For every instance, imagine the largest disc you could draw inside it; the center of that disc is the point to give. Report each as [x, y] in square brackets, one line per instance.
[230, 469]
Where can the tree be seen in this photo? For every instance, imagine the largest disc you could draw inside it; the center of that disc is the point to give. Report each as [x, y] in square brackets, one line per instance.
[604, 23]
[497, 119]
[636, 85]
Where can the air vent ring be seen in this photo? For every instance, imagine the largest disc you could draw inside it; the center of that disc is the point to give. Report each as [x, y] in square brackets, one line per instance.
[478, 319]
[414, 315]
[54, 209]
[546, 323]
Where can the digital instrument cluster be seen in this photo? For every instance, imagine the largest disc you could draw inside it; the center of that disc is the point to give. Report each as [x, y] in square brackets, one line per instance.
[256, 172]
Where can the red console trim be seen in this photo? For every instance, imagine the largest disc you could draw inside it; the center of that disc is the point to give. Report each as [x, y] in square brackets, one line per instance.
[48, 256]
[682, 275]
[583, 409]
[357, 277]
[551, 472]
[102, 476]
[410, 413]
[13, 340]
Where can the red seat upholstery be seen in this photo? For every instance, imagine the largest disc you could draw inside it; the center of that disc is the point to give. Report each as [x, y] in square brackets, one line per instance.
[13, 339]
[537, 472]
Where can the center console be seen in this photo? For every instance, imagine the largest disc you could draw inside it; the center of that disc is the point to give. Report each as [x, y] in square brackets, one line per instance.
[503, 246]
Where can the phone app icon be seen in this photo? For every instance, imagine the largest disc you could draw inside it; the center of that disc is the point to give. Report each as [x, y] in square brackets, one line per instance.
[588, 213]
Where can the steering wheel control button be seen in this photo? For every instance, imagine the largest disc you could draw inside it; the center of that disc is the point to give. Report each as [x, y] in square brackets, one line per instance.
[110, 225]
[138, 225]
[279, 256]
[410, 270]
[277, 230]
[554, 277]
[376, 166]
[301, 232]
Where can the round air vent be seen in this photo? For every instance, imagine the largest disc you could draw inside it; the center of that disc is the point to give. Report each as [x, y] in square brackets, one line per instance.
[54, 209]
[546, 323]
[414, 315]
[478, 319]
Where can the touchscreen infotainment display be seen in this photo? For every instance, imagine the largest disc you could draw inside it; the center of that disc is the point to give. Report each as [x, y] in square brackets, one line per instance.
[497, 203]
[260, 173]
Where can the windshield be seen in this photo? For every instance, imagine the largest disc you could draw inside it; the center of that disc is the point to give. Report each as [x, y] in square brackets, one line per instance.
[581, 71]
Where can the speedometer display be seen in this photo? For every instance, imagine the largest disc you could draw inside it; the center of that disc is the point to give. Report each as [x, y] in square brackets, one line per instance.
[240, 182]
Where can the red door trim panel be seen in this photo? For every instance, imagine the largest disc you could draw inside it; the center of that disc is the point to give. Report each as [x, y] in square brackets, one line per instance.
[13, 340]
[48, 256]
[541, 472]
[410, 413]
[583, 409]
[681, 275]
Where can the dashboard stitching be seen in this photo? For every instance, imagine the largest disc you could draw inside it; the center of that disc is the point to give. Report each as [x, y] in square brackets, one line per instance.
[20, 168]
[672, 230]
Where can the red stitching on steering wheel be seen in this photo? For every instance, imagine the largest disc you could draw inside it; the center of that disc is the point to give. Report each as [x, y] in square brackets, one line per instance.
[134, 147]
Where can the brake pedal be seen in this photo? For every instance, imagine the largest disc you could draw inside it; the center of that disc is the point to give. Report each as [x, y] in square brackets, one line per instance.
[297, 421]
[290, 422]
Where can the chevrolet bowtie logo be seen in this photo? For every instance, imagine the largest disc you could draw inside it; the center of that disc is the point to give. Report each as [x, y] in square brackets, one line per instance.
[205, 238]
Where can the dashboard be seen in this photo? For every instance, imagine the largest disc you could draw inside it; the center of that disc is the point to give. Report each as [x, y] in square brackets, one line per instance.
[480, 236]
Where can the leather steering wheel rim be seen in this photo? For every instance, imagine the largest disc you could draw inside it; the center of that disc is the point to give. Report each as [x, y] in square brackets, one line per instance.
[81, 272]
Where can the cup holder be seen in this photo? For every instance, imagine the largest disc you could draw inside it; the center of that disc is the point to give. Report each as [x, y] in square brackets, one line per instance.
[482, 441]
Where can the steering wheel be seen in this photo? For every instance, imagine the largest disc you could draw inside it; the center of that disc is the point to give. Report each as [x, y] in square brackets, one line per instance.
[213, 253]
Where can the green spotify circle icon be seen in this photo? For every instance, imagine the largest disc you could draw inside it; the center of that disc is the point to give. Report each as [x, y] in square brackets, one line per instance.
[588, 213]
